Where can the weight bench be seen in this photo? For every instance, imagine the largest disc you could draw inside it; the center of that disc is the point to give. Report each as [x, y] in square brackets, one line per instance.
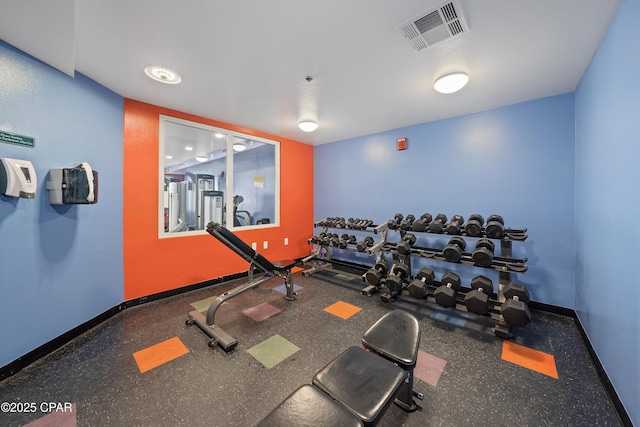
[396, 337]
[354, 389]
[358, 386]
[256, 262]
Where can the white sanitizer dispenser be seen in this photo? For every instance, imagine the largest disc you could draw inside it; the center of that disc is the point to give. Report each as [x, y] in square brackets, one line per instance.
[17, 178]
[75, 185]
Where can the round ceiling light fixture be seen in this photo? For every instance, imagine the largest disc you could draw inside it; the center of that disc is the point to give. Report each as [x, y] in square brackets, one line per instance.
[450, 83]
[163, 75]
[308, 125]
[239, 146]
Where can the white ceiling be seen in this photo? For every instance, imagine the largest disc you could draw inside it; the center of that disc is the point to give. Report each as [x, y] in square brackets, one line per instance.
[245, 61]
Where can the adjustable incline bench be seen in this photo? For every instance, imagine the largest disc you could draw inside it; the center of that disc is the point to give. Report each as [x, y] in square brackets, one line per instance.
[256, 261]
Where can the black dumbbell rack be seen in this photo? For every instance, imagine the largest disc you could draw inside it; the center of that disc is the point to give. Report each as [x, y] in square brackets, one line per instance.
[505, 264]
[321, 258]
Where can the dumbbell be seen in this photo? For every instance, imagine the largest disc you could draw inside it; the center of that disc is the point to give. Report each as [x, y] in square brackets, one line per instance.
[321, 239]
[394, 223]
[437, 225]
[455, 225]
[404, 246]
[477, 300]
[367, 242]
[337, 242]
[515, 310]
[482, 256]
[419, 286]
[406, 223]
[349, 239]
[447, 292]
[421, 223]
[375, 274]
[495, 227]
[394, 281]
[453, 251]
[474, 225]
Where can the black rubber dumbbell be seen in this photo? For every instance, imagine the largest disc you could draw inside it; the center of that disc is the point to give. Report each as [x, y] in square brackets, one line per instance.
[437, 225]
[453, 251]
[407, 223]
[374, 275]
[455, 225]
[495, 227]
[419, 286]
[474, 225]
[338, 242]
[394, 223]
[321, 239]
[350, 239]
[515, 310]
[395, 280]
[477, 300]
[404, 246]
[482, 256]
[447, 292]
[366, 243]
[421, 223]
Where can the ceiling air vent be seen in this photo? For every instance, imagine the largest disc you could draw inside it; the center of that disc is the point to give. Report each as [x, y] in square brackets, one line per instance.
[435, 26]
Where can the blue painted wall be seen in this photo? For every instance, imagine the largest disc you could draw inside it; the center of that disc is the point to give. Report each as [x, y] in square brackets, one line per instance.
[515, 161]
[59, 266]
[608, 204]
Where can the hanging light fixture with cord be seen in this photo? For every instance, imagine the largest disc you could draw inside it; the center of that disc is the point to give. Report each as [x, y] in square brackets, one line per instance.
[308, 107]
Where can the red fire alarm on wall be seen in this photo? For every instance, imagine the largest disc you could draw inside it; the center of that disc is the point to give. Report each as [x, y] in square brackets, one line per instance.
[402, 144]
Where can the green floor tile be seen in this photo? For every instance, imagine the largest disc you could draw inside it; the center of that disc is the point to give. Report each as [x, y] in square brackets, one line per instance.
[272, 351]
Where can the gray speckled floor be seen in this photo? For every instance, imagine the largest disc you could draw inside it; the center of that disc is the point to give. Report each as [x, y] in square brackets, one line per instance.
[208, 387]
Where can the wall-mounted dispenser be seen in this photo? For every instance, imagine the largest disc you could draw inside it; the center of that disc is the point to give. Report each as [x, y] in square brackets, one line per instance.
[75, 185]
[17, 178]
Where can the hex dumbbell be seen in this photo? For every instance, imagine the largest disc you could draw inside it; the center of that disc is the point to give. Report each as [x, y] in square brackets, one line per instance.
[366, 243]
[455, 225]
[348, 238]
[495, 227]
[421, 223]
[474, 225]
[482, 256]
[394, 223]
[395, 280]
[477, 300]
[446, 294]
[437, 225]
[407, 223]
[515, 310]
[454, 249]
[404, 246]
[419, 286]
[374, 275]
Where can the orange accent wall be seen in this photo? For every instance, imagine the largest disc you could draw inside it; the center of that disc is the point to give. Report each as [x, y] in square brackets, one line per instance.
[153, 265]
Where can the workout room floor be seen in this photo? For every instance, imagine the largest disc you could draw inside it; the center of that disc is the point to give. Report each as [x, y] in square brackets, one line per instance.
[145, 367]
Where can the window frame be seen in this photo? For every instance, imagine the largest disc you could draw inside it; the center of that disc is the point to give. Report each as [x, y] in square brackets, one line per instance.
[228, 193]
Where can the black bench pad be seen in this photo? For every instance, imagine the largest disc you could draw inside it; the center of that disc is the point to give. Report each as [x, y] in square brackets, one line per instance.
[310, 407]
[361, 381]
[396, 337]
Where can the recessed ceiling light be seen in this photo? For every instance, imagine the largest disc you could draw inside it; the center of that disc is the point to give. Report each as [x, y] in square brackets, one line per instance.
[308, 125]
[202, 158]
[168, 157]
[188, 148]
[451, 83]
[163, 75]
[219, 135]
